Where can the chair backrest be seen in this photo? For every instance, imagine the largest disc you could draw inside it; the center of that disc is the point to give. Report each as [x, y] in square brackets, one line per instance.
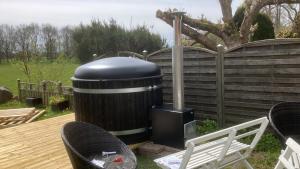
[285, 119]
[290, 157]
[255, 127]
[226, 136]
[84, 141]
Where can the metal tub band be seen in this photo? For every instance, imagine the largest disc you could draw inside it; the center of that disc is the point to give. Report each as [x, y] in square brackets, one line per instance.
[116, 91]
[128, 132]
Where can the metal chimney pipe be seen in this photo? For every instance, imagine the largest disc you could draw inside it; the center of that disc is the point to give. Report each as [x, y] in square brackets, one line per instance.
[177, 64]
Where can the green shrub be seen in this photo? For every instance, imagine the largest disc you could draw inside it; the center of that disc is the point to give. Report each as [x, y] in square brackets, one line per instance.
[56, 99]
[239, 16]
[265, 29]
[286, 32]
[207, 126]
[268, 143]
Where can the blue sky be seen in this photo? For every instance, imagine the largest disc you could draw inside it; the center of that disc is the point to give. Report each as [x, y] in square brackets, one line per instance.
[127, 12]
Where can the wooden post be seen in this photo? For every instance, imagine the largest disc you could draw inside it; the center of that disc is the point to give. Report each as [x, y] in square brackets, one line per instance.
[59, 88]
[19, 90]
[71, 97]
[30, 90]
[220, 85]
[44, 88]
[145, 52]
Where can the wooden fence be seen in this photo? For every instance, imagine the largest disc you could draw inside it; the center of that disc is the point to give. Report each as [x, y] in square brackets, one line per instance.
[238, 84]
[199, 79]
[44, 90]
[258, 75]
[228, 85]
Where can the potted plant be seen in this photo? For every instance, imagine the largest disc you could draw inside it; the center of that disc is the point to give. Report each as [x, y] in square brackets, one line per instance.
[34, 101]
[58, 103]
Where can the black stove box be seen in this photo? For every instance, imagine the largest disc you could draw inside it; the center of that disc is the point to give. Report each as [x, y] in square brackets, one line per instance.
[168, 125]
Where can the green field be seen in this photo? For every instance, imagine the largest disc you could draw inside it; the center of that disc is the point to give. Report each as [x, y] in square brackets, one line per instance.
[9, 73]
[61, 70]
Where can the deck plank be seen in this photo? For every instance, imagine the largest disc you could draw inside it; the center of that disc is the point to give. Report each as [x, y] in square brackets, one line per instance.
[34, 145]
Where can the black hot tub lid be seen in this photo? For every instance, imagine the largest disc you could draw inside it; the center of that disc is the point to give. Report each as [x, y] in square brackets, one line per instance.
[117, 68]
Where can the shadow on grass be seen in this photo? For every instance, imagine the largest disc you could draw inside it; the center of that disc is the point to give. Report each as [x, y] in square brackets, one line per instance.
[146, 163]
[49, 114]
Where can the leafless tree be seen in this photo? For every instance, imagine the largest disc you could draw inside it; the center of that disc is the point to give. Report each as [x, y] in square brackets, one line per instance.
[34, 39]
[283, 15]
[22, 42]
[66, 40]
[26, 45]
[1, 44]
[50, 40]
[292, 11]
[227, 31]
[9, 42]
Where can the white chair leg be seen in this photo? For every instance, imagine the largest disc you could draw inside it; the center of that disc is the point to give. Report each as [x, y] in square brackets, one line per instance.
[207, 166]
[295, 160]
[211, 166]
[279, 166]
[244, 161]
[247, 164]
[235, 165]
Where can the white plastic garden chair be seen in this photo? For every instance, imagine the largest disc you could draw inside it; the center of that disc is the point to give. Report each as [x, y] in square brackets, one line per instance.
[290, 158]
[218, 149]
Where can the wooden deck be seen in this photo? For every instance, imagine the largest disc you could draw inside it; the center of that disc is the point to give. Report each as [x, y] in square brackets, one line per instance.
[36, 145]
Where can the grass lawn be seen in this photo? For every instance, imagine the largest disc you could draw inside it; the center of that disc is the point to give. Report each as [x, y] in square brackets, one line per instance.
[146, 163]
[264, 160]
[12, 105]
[258, 159]
[49, 114]
[10, 72]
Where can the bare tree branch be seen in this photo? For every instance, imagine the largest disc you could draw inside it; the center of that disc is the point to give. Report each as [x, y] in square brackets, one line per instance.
[293, 8]
[274, 2]
[205, 25]
[252, 8]
[201, 24]
[226, 10]
[290, 16]
[194, 43]
[189, 31]
[199, 37]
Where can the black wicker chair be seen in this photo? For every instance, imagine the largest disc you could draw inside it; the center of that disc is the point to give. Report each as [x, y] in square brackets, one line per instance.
[285, 120]
[83, 141]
